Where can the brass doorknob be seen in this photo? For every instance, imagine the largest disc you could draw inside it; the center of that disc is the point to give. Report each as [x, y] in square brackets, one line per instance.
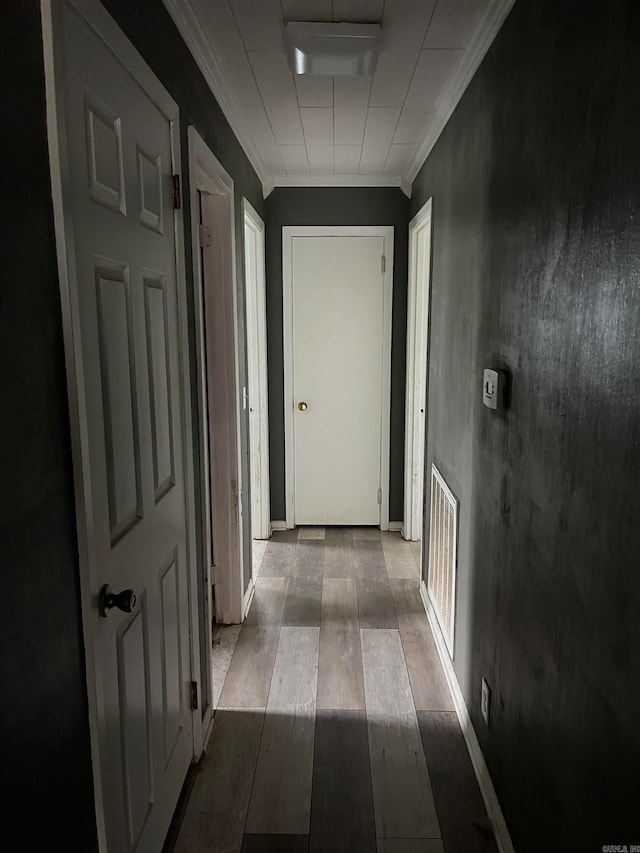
[303, 406]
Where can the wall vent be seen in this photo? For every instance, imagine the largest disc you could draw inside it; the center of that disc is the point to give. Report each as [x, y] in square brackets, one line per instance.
[443, 559]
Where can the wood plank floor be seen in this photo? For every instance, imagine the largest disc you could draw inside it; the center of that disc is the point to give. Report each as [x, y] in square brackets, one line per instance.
[335, 731]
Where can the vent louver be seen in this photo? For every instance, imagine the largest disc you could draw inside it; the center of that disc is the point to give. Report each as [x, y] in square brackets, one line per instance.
[442, 555]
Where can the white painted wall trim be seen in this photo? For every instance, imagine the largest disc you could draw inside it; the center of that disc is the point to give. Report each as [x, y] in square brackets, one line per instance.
[248, 598]
[208, 175]
[481, 770]
[278, 525]
[486, 31]
[94, 13]
[396, 527]
[256, 319]
[186, 20]
[343, 181]
[288, 234]
[416, 411]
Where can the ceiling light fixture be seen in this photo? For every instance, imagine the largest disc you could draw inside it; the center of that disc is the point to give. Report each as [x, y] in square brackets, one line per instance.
[338, 50]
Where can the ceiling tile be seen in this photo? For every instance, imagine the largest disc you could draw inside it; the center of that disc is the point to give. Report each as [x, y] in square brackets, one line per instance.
[358, 11]
[381, 125]
[433, 70]
[347, 159]
[295, 159]
[321, 160]
[350, 103]
[412, 125]
[262, 134]
[454, 23]
[260, 23]
[398, 159]
[318, 127]
[373, 160]
[314, 91]
[307, 10]
[379, 130]
[275, 83]
[218, 23]
[404, 26]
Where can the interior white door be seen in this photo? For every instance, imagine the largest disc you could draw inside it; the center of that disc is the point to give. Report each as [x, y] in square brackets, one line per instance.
[118, 199]
[338, 327]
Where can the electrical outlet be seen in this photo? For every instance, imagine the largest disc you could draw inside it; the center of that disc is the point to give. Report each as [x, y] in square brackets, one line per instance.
[485, 701]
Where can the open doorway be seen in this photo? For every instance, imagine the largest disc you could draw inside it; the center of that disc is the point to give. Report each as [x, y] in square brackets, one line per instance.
[257, 392]
[418, 300]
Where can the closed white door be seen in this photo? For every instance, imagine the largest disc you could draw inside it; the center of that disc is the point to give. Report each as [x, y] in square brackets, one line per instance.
[118, 199]
[338, 366]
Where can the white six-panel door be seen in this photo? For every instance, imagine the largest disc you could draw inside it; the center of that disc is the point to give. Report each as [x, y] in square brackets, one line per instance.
[339, 300]
[126, 345]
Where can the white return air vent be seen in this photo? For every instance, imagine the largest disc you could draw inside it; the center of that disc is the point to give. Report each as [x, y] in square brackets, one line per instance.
[443, 540]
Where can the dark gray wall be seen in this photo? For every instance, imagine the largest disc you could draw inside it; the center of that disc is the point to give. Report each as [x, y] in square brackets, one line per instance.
[536, 246]
[47, 789]
[46, 766]
[339, 206]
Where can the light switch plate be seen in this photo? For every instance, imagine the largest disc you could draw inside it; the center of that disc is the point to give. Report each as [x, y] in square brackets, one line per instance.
[493, 384]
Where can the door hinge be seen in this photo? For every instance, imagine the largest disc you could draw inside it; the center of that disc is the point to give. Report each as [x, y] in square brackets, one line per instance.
[383, 264]
[193, 695]
[206, 236]
[214, 575]
[175, 192]
[380, 496]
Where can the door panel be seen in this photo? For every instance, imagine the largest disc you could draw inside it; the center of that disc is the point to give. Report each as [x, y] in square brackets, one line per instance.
[338, 300]
[118, 201]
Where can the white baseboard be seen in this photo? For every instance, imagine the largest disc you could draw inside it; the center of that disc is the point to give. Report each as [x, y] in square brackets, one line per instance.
[489, 796]
[278, 525]
[248, 598]
[396, 526]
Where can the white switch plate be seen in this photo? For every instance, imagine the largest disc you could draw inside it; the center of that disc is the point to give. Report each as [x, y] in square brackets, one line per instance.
[493, 383]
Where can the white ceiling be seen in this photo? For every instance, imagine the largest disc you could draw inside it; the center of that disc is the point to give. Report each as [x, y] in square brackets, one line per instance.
[339, 131]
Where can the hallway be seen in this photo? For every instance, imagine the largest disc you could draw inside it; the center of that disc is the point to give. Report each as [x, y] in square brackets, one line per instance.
[334, 729]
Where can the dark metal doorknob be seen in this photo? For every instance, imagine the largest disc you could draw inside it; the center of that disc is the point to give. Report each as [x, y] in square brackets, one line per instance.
[125, 600]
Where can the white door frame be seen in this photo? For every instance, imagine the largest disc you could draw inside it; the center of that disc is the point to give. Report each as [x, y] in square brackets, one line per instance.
[418, 299]
[256, 319]
[218, 386]
[94, 13]
[288, 234]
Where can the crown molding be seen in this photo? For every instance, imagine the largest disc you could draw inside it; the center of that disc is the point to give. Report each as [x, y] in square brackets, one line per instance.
[483, 37]
[341, 181]
[188, 25]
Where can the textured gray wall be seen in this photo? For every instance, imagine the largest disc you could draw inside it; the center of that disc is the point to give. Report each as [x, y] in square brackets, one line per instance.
[44, 724]
[44, 721]
[339, 206]
[536, 187]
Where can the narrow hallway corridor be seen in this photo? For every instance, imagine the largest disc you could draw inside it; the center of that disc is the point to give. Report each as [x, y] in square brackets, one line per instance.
[334, 729]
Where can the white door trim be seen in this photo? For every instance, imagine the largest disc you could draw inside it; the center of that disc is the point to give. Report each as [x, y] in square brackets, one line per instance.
[207, 175]
[96, 16]
[418, 299]
[288, 233]
[256, 318]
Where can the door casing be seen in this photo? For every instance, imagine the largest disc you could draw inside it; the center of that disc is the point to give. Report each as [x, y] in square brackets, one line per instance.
[217, 366]
[110, 33]
[256, 319]
[416, 400]
[288, 234]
